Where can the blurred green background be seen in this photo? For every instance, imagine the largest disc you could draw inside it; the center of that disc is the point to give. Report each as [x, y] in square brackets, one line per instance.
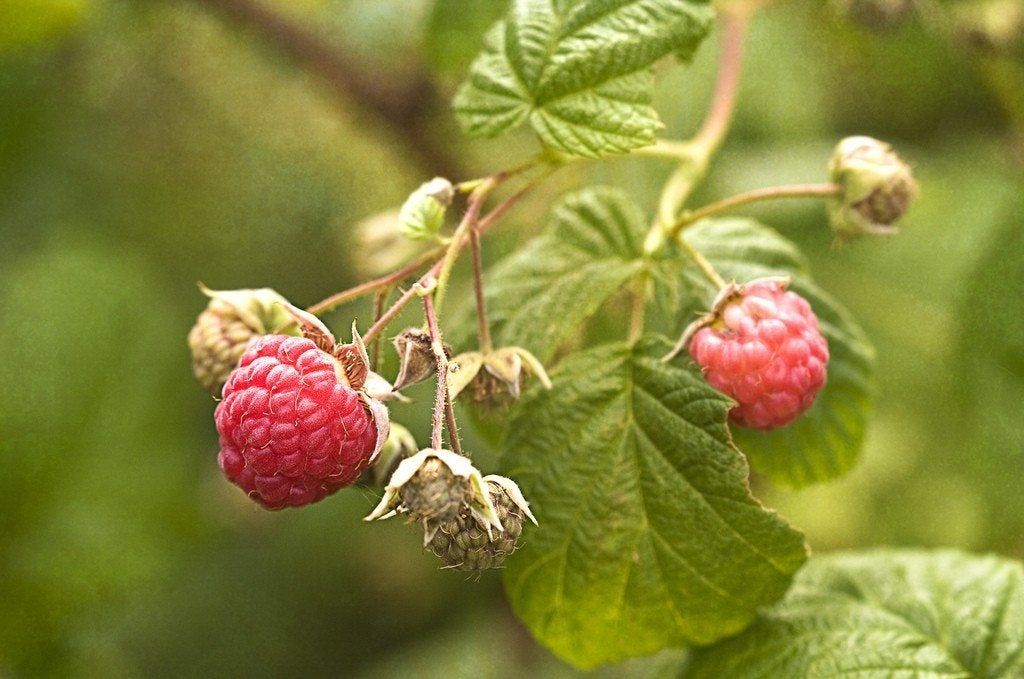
[148, 145]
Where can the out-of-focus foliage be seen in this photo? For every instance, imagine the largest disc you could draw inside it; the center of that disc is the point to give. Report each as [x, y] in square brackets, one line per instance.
[145, 146]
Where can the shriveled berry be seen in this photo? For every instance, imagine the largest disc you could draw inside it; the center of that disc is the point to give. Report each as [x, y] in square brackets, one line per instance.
[764, 349]
[463, 543]
[292, 430]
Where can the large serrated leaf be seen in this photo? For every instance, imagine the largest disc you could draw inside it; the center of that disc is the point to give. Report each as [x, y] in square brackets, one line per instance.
[578, 70]
[826, 441]
[541, 294]
[648, 534]
[885, 614]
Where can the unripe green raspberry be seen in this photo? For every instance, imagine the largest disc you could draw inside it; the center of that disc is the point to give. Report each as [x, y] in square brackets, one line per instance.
[434, 493]
[224, 330]
[465, 543]
[877, 188]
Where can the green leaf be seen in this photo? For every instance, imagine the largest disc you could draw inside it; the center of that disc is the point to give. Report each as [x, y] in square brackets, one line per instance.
[648, 534]
[593, 245]
[826, 441]
[885, 614]
[579, 71]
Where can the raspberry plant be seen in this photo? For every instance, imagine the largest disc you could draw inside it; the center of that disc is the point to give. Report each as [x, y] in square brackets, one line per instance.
[631, 453]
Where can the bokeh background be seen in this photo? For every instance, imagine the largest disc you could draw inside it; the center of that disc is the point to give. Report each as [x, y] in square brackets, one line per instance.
[148, 145]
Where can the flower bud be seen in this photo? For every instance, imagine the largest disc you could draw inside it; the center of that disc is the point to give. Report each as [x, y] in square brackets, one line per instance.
[877, 188]
[223, 331]
[422, 214]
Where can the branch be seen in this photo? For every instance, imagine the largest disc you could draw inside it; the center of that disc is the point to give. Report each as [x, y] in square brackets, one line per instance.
[405, 109]
[768, 193]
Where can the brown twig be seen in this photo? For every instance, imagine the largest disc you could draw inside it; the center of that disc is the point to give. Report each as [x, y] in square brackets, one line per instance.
[485, 222]
[405, 108]
[376, 284]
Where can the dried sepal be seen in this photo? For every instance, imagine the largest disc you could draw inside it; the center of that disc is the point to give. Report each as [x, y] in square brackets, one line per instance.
[494, 377]
[477, 498]
[417, 360]
[514, 493]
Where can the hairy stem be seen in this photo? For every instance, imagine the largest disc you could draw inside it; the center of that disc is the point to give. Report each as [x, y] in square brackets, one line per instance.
[767, 193]
[378, 308]
[366, 288]
[484, 223]
[483, 328]
[466, 226]
[443, 410]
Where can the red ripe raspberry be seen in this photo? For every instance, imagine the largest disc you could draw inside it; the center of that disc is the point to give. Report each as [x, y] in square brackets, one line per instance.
[763, 348]
[291, 430]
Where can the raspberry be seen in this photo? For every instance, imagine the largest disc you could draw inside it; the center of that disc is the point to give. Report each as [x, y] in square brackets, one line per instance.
[762, 346]
[224, 329]
[466, 544]
[292, 430]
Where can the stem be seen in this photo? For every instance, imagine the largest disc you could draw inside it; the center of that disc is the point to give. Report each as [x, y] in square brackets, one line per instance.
[443, 410]
[734, 21]
[702, 263]
[366, 288]
[482, 326]
[468, 223]
[485, 223]
[378, 308]
[698, 151]
[767, 193]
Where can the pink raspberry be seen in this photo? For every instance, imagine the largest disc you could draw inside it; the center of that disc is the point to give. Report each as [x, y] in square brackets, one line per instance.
[762, 346]
[292, 430]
